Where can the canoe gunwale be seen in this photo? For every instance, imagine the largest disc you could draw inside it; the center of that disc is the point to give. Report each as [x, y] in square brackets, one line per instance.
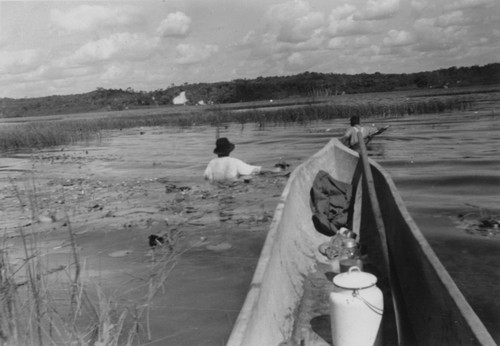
[246, 326]
[480, 332]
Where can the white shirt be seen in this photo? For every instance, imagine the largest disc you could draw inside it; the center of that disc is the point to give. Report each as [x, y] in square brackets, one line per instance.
[228, 168]
[351, 135]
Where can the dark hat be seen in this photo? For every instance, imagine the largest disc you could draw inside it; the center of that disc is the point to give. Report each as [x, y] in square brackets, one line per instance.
[354, 120]
[223, 146]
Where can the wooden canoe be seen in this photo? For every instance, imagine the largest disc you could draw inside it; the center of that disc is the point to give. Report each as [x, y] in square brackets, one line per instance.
[429, 307]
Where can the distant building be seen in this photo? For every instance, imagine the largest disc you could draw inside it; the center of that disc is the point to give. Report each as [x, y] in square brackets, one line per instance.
[180, 99]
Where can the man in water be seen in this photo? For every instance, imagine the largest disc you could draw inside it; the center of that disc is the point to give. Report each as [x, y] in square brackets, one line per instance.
[229, 168]
[350, 137]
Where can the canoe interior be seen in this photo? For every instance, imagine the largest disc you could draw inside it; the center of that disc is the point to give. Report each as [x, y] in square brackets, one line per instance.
[430, 308]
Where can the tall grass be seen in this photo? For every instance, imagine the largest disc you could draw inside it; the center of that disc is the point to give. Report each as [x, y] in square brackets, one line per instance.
[60, 132]
[40, 305]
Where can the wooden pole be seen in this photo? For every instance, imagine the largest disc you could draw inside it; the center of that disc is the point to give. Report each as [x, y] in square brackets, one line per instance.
[379, 221]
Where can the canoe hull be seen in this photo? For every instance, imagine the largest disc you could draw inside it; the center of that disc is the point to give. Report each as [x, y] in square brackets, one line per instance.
[429, 306]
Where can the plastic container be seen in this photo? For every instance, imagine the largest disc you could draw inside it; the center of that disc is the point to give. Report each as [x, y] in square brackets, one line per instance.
[356, 308]
[349, 255]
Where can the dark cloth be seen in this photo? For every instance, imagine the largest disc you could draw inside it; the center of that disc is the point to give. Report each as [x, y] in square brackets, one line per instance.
[329, 202]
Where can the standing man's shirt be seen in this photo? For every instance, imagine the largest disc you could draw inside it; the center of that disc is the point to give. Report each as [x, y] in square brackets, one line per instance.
[228, 168]
[351, 135]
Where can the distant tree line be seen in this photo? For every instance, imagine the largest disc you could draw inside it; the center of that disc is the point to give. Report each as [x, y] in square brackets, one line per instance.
[307, 84]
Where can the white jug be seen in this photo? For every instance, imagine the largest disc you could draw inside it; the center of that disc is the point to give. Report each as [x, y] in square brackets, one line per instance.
[356, 307]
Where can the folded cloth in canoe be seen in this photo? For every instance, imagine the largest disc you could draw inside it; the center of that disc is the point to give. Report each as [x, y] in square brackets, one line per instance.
[330, 200]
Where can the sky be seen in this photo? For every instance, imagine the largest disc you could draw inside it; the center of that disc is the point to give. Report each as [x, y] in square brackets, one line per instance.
[72, 47]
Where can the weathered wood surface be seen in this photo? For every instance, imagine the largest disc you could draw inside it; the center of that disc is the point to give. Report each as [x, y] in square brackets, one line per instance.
[432, 309]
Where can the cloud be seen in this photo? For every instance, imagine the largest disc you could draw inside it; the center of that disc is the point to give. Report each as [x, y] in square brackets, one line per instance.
[295, 21]
[120, 46]
[464, 4]
[360, 42]
[90, 17]
[296, 61]
[336, 43]
[378, 9]
[117, 71]
[432, 37]
[350, 27]
[421, 5]
[175, 25]
[191, 53]
[399, 38]
[249, 39]
[301, 29]
[13, 62]
[342, 12]
[288, 11]
[451, 19]
[349, 43]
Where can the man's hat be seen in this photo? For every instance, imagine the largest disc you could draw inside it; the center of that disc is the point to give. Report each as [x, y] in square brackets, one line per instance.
[223, 146]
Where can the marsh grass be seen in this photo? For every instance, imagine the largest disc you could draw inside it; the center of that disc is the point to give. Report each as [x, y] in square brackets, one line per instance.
[68, 131]
[43, 305]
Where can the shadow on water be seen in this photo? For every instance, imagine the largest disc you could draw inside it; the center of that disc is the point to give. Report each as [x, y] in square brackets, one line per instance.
[473, 264]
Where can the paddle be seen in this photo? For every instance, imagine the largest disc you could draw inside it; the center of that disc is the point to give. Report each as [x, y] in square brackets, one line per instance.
[379, 221]
[381, 130]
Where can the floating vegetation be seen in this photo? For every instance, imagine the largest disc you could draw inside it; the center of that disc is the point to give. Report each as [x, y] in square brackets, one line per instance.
[68, 131]
[480, 222]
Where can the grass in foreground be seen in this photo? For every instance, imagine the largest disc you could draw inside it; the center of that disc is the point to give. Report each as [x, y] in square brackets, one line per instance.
[40, 305]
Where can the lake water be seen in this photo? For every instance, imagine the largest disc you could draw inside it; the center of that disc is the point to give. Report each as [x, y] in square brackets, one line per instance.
[444, 166]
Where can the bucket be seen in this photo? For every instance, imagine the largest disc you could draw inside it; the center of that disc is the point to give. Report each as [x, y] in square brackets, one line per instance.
[356, 308]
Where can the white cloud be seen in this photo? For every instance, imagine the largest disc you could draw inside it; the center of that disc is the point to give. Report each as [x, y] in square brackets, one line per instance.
[342, 12]
[432, 37]
[421, 5]
[175, 25]
[349, 27]
[452, 18]
[301, 29]
[116, 71]
[336, 43]
[191, 53]
[90, 17]
[121, 46]
[288, 10]
[349, 43]
[399, 38]
[296, 60]
[13, 62]
[249, 39]
[361, 42]
[295, 21]
[378, 9]
[464, 4]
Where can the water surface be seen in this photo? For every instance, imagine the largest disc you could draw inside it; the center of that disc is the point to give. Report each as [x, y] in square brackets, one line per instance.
[444, 166]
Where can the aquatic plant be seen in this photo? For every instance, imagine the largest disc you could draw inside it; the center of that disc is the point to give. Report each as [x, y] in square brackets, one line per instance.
[68, 131]
[40, 305]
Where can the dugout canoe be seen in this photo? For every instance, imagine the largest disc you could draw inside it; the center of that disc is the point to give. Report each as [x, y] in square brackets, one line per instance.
[287, 300]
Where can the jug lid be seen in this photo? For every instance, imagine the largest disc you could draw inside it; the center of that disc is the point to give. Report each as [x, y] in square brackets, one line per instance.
[354, 279]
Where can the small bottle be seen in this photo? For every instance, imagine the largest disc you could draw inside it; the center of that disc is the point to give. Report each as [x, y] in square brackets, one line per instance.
[337, 240]
[350, 255]
[336, 245]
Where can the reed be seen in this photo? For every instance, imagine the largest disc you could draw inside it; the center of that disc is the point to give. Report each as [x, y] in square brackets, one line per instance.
[40, 305]
[69, 131]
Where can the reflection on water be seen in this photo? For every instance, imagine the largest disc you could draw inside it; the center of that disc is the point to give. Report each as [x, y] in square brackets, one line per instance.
[444, 165]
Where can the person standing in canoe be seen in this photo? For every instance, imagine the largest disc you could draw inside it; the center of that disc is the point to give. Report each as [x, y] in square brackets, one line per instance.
[350, 137]
[225, 168]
